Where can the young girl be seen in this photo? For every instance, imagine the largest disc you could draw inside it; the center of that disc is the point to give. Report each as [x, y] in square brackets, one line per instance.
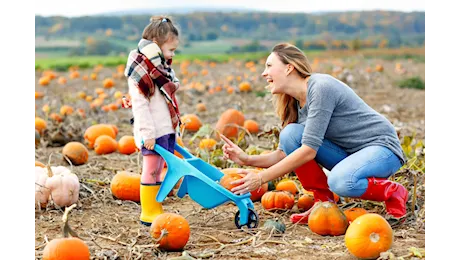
[152, 84]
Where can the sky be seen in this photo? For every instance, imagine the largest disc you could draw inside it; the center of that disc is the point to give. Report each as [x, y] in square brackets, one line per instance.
[90, 7]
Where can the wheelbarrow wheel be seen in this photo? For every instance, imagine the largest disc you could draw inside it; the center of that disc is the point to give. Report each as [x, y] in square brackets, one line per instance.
[253, 219]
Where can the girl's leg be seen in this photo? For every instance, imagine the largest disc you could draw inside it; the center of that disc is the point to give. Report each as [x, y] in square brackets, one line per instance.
[150, 185]
[363, 175]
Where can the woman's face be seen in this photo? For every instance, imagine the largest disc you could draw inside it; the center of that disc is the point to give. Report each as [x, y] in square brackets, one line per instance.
[275, 73]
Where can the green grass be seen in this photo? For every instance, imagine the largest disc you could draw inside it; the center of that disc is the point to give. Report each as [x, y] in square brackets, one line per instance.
[218, 46]
[414, 82]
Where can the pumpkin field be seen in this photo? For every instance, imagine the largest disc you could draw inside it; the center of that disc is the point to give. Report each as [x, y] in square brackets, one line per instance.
[81, 126]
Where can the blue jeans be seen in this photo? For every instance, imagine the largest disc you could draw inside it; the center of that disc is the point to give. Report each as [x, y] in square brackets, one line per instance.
[348, 172]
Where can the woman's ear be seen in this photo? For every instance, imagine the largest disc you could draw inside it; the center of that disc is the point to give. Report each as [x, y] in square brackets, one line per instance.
[289, 69]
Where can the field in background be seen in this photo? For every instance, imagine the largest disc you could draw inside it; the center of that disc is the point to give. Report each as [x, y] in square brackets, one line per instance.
[63, 63]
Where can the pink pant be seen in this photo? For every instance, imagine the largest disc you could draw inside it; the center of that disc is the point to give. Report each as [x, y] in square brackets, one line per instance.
[151, 169]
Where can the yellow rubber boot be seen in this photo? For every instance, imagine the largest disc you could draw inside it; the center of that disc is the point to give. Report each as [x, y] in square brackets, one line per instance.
[150, 208]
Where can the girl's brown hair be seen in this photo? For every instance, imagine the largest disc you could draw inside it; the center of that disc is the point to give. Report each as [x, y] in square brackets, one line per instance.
[160, 29]
[285, 105]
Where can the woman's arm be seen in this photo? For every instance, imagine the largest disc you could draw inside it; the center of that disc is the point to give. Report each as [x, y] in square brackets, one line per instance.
[265, 160]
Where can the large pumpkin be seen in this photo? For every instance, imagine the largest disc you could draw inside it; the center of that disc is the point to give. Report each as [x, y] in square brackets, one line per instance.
[326, 218]
[252, 126]
[76, 152]
[191, 122]
[277, 200]
[126, 186]
[171, 231]
[58, 183]
[368, 236]
[226, 123]
[95, 131]
[105, 144]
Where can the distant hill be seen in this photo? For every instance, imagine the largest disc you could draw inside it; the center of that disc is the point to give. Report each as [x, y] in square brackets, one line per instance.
[184, 10]
[230, 29]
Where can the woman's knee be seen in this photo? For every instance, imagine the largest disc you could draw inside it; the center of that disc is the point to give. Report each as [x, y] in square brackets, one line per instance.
[341, 183]
[290, 137]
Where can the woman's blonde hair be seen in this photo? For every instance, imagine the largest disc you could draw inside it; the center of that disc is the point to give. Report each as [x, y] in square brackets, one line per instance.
[285, 105]
[160, 29]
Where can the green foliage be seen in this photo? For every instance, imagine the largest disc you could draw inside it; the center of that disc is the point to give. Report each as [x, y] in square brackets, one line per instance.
[415, 153]
[414, 82]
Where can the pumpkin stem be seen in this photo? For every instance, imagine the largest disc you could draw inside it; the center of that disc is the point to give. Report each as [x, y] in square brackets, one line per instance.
[66, 228]
[164, 232]
[50, 172]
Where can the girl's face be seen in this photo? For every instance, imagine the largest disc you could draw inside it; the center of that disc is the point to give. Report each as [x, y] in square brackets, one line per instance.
[169, 47]
[275, 73]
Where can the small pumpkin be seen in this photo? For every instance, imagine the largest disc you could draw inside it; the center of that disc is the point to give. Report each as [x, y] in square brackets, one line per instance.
[228, 178]
[105, 144]
[287, 185]
[191, 122]
[207, 144]
[66, 110]
[108, 83]
[226, 123]
[62, 80]
[252, 126]
[278, 226]
[94, 131]
[126, 145]
[171, 231]
[245, 86]
[277, 200]
[39, 95]
[56, 117]
[126, 186]
[76, 152]
[368, 236]
[58, 183]
[200, 107]
[66, 248]
[255, 194]
[353, 213]
[44, 81]
[40, 125]
[326, 218]
[306, 201]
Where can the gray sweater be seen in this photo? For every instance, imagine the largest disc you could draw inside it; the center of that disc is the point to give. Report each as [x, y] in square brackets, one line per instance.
[335, 112]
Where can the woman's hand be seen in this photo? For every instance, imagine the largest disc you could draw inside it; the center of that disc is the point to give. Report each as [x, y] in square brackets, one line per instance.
[149, 144]
[233, 152]
[251, 181]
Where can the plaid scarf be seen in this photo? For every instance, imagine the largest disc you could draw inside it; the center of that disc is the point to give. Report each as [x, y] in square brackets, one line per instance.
[148, 67]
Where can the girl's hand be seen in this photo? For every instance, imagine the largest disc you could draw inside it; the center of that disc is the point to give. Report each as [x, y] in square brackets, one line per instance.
[126, 102]
[149, 144]
[251, 181]
[233, 152]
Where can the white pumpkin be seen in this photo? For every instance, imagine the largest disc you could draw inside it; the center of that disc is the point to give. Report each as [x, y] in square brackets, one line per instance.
[62, 186]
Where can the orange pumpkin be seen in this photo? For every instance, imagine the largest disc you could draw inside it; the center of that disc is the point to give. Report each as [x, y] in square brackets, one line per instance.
[191, 122]
[94, 131]
[306, 201]
[368, 236]
[326, 218]
[126, 186]
[171, 231]
[66, 110]
[56, 117]
[379, 68]
[126, 145]
[277, 200]
[118, 94]
[74, 74]
[244, 86]
[76, 152]
[255, 194]
[353, 213]
[71, 248]
[287, 185]
[108, 83]
[201, 107]
[252, 126]
[208, 144]
[105, 144]
[39, 95]
[44, 81]
[226, 121]
[62, 80]
[40, 125]
[228, 178]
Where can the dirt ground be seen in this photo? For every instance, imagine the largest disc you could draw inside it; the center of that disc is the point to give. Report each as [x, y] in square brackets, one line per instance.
[111, 227]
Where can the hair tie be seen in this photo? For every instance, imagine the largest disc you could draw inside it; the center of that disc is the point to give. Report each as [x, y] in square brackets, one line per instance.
[164, 20]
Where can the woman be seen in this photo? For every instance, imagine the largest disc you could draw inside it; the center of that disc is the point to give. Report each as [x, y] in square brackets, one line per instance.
[324, 121]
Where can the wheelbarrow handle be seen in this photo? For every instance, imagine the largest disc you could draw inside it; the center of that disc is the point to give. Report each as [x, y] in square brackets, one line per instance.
[183, 152]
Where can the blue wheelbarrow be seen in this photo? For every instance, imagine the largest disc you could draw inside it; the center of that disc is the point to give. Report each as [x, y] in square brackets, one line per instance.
[201, 183]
